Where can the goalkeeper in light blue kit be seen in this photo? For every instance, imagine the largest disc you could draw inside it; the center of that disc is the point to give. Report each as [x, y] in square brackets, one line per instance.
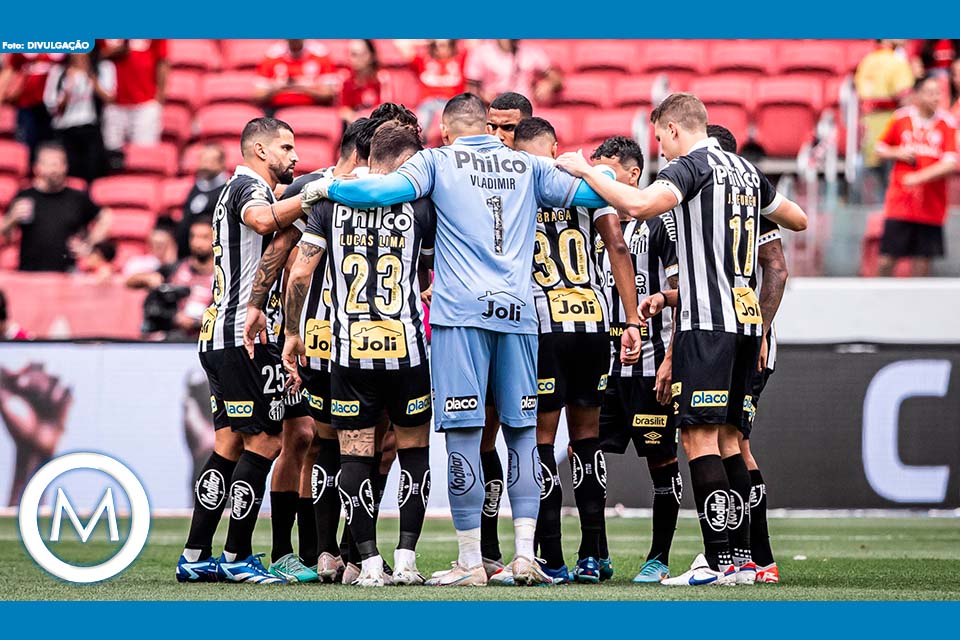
[483, 316]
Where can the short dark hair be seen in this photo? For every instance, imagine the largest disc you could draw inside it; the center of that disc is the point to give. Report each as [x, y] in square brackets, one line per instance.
[106, 248]
[624, 149]
[50, 145]
[392, 140]
[165, 223]
[392, 111]
[685, 109]
[262, 128]
[205, 219]
[511, 100]
[348, 141]
[922, 80]
[531, 128]
[365, 131]
[468, 107]
[728, 141]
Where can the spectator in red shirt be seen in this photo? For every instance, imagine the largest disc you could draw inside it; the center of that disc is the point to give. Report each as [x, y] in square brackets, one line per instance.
[135, 115]
[955, 89]
[22, 80]
[501, 66]
[364, 87]
[296, 73]
[922, 141]
[441, 76]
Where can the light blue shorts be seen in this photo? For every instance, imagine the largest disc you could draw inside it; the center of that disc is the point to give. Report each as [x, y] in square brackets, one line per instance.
[465, 360]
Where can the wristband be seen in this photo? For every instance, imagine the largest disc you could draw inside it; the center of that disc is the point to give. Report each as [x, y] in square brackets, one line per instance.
[633, 325]
[276, 221]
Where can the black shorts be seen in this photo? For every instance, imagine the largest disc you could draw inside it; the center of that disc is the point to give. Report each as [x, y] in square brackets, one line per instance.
[247, 395]
[358, 397]
[757, 384]
[631, 413]
[902, 239]
[316, 392]
[712, 376]
[572, 369]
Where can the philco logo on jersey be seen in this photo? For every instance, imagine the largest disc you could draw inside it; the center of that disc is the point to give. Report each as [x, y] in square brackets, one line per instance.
[736, 178]
[377, 218]
[546, 386]
[502, 306]
[378, 339]
[528, 403]
[642, 420]
[708, 399]
[462, 403]
[602, 385]
[343, 408]
[318, 338]
[574, 305]
[418, 405]
[238, 409]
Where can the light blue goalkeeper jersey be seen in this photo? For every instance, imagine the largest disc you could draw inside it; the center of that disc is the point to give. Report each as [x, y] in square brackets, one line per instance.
[486, 196]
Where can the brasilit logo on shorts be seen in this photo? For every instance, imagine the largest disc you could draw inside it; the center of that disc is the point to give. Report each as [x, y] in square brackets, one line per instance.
[44, 545]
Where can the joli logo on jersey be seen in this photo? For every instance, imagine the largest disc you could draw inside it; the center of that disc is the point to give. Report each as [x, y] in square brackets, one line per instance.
[574, 305]
[502, 306]
[377, 340]
[318, 338]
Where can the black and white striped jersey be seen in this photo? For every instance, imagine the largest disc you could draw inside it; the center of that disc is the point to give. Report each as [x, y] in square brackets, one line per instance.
[769, 231]
[721, 197]
[653, 247]
[237, 251]
[315, 317]
[373, 255]
[567, 290]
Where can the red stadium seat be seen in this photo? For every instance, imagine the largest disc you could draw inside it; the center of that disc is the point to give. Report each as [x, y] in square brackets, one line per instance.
[10, 257]
[856, 50]
[183, 88]
[633, 91]
[560, 53]
[741, 56]
[244, 54]
[138, 192]
[313, 122]
[402, 87]
[9, 186]
[822, 57]
[681, 60]
[339, 51]
[79, 184]
[156, 160]
[390, 55]
[236, 86]
[194, 54]
[587, 89]
[131, 224]
[314, 154]
[14, 158]
[566, 124]
[219, 121]
[173, 193]
[191, 155]
[729, 102]
[787, 109]
[600, 125]
[605, 55]
[176, 120]
[8, 122]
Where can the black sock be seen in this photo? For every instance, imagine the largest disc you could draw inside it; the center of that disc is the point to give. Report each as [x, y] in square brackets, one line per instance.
[348, 550]
[413, 494]
[326, 504]
[246, 495]
[589, 492]
[602, 544]
[551, 500]
[711, 493]
[209, 499]
[667, 487]
[492, 492]
[307, 532]
[759, 534]
[357, 494]
[379, 481]
[283, 506]
[738, 527]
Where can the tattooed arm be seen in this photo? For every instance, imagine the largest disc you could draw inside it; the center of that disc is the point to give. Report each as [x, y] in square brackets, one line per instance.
[771, 259]
[298, 284]
[271, 265]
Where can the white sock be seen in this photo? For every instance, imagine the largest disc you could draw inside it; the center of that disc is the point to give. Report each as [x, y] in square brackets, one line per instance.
[372, 565]
[405, 558]
[524, 530]
[229, 557]
[192, 555]
[469, 542]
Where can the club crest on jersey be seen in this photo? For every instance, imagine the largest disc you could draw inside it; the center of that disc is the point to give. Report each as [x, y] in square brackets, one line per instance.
[736, 511]
[574, 305]
[502, 306]
[277, 410]
[513, 467]
[318, 338]
[377, 340]
[716, 508]
[241, 499]
[462, 476]
[210, 489]
[492, 492]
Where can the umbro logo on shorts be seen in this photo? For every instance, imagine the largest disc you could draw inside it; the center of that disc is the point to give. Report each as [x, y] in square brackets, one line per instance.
[461, 403]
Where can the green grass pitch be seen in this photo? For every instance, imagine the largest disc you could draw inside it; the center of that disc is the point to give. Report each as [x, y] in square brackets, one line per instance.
[846, 559]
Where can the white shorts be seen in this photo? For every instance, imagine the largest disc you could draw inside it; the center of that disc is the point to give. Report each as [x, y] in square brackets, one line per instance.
[137, 124]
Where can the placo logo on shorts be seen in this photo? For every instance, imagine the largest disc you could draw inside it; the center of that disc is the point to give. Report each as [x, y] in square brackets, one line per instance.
[43, 480]
[644, 420]
[528, 403]
[418, 405]
[676, 388]
[546, 385]
[213, 404]
[317, 338]
[344, 408]
[604, 380]
[461, 403]
[239, 409]
[377, 340]
[315, 401]
[462, 477]
[708, 399]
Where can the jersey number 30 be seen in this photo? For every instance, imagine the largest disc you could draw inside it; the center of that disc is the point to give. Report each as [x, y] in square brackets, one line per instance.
[572, 247]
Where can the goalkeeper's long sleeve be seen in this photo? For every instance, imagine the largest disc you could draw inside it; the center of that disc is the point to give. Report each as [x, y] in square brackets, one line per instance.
[373, 191]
